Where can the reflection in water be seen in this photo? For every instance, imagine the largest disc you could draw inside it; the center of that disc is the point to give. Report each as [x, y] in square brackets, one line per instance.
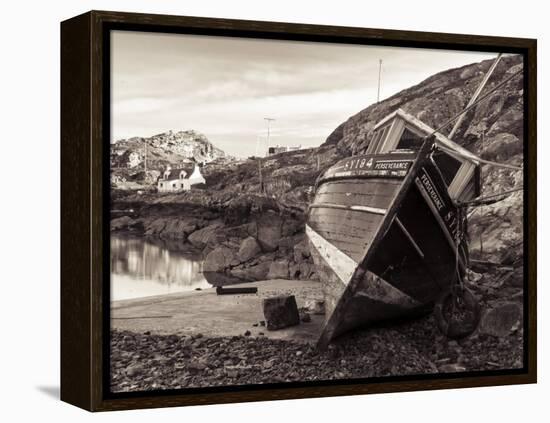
[141, 268]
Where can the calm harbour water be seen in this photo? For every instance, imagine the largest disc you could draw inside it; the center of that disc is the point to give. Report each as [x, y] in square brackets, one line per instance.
[143, 268]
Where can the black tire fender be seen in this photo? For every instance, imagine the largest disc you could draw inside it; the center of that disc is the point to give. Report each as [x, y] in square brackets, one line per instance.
[456, 329]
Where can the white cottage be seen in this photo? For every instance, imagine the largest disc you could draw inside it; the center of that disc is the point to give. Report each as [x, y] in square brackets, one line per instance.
[181, 179]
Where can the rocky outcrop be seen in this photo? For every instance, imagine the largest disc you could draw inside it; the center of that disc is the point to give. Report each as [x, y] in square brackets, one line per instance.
[166, 148]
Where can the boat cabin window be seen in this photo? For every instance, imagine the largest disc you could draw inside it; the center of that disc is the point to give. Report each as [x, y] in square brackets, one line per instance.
[395, 136]
[448, 165]
[409, 140]
[378, 139]
[459, 176]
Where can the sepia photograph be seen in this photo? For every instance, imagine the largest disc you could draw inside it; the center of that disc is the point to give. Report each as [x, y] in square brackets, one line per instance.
[288, 212]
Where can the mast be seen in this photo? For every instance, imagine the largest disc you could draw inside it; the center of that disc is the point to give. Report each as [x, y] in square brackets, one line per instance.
[475, 95]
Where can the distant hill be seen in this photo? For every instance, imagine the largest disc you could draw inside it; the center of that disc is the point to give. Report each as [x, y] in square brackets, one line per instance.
[169, 148]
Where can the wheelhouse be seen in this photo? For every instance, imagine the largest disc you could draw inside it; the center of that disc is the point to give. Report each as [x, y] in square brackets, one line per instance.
[459, 168]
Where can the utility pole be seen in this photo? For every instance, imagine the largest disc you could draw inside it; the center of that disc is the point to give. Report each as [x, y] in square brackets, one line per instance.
[268, 120]
[145, 156]
[379, 77]
[260, 173]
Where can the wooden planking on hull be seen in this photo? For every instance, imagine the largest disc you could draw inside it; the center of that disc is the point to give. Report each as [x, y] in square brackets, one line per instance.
[350, 231]
[376, 193]
[348, 212]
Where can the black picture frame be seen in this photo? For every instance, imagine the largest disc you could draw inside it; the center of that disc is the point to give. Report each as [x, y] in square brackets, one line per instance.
[85, 116]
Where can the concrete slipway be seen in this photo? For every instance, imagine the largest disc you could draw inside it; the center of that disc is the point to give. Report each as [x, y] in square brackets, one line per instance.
[205, 312]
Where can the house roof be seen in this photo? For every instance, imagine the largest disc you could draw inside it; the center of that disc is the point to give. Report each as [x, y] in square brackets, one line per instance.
[175, 173]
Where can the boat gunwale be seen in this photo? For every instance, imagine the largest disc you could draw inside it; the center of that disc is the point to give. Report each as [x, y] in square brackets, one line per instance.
[365, 209]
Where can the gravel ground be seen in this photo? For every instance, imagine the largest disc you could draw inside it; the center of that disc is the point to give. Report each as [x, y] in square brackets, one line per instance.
[147, 361]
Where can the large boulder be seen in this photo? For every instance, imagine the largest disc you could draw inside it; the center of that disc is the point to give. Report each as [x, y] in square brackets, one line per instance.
[280, 312]
[218, 259]
[291, 226]
[257, 272]
[278, 269]
[155, 226]
[315, 306]
[240, 231]
[120, 223]
[201, 237]
[502, 146]
[293, 271]
[286, 244]
[237, 210]
[301, 251]
[306, 270]
[502, 320]
[178, 228]
[249, 248]
[269, 231]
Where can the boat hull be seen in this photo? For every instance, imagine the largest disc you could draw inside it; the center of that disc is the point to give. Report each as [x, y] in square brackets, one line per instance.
[384, 243]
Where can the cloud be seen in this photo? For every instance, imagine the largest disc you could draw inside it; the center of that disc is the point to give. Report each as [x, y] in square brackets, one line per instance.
[224, 87]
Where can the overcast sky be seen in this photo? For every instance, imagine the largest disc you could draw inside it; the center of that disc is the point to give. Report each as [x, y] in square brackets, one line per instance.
[224, 87]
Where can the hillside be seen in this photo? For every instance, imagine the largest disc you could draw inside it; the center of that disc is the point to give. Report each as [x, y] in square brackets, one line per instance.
[493, 129]
[162, 149]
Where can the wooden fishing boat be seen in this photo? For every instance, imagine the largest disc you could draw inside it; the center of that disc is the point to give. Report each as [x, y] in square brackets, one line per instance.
[386, 231]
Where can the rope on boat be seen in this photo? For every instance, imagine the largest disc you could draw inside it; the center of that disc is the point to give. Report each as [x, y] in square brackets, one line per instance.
[496, 164]
[489, 162]
[488, 199]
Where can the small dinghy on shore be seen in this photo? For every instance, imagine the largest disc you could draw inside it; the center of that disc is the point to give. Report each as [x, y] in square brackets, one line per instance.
[386, 230]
